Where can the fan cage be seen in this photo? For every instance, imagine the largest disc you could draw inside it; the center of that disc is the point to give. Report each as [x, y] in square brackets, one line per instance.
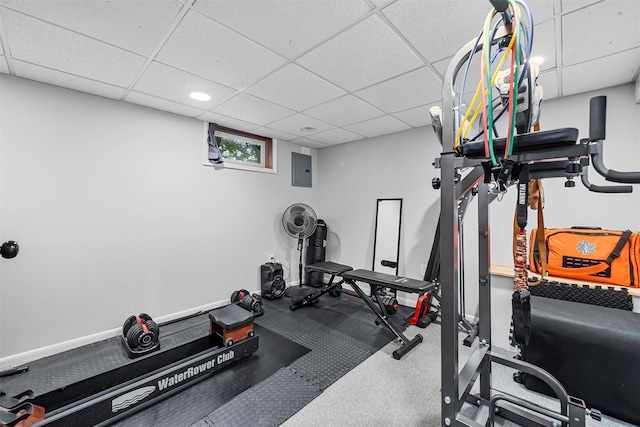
[299, 220]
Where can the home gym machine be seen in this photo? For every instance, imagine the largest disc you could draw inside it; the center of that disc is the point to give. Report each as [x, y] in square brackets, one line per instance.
[464, 169]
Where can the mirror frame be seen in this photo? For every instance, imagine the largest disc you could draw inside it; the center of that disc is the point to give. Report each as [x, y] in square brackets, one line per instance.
[391, 234]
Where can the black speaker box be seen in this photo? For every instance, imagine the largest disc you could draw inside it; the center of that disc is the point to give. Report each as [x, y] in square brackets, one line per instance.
[272, 282]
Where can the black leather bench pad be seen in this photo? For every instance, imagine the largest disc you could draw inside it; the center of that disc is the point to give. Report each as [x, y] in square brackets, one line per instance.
[329, 267]
[525, 142]
[399, 283]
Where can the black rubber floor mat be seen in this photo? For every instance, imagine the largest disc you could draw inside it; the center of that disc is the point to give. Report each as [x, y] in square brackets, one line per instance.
[602, 296]
[261, 406]
[65, 377]
[341, 333]
[194, 403]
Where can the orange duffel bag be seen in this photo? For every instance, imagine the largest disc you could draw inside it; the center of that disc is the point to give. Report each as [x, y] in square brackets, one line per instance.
[590, 254]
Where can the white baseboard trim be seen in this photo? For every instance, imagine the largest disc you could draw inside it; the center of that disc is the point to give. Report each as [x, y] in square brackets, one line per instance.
[38, 353]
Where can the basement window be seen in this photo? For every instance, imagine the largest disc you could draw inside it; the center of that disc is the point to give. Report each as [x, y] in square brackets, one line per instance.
[243, 150]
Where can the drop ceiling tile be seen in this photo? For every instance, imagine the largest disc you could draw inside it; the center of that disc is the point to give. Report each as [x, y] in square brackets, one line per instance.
[306, 142]
[289, 27]
[293, 124]
[441, 66]
[44, 44]
[613, 70]
[175, 85]
[473, 76]
[363, 55]
[272, 133]
[380, 126]
[162, 104]
[381, 3]
[542, 10]
[344, 111]
[585, 38]
[58, 78]
[229, 122]
[201, 46]
[436, 28]
[335, 136]
[296, 88]
[251, 109]
[549, 82]
[137, 26]
[570, 5]
[416, 117]
[544, 44]
[409, 90]
[4, 68]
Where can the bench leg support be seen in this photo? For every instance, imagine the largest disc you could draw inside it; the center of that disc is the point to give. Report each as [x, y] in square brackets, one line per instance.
[312, 298]
[407, 344]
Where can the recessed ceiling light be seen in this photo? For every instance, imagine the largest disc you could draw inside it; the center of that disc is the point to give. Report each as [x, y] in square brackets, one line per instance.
[200, 96]
[308, 129]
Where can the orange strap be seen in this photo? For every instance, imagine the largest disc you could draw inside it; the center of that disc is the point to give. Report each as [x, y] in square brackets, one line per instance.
[536, 201]
[588, 271]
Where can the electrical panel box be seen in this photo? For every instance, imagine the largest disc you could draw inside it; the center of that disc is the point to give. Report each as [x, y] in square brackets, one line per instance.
[300, 170]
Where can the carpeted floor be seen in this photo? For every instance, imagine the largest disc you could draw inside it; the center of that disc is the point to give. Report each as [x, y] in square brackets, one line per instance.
[384, 391]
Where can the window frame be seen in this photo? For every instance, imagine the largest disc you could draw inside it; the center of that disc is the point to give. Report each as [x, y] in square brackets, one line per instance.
[269, 151]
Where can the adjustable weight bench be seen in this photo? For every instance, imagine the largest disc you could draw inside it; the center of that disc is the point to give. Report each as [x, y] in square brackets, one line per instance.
[377, 281]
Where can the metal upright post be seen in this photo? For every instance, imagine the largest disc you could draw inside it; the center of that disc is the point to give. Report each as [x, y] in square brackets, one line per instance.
[484, 282]
[449, 274]
[449, 289]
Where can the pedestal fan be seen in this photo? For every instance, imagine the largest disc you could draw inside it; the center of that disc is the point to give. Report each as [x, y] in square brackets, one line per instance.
[299, 221]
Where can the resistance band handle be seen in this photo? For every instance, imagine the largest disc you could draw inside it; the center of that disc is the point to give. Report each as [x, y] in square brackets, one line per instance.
[521, 316]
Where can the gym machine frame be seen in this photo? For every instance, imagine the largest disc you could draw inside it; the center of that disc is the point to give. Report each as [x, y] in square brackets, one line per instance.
[568, 161]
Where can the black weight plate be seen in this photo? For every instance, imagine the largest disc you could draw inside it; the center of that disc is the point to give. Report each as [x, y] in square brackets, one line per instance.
[133, 334]
[247, 302]
[153, 327]
[235, 296]
[127, 324]
[146, 339]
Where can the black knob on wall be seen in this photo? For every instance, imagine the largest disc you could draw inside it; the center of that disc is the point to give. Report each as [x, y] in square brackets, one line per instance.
[10, 249]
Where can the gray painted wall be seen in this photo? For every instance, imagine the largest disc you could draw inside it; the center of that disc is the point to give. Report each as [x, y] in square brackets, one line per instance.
[116, 215]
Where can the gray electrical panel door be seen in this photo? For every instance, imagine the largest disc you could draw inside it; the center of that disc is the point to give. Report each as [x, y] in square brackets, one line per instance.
[300, 170]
